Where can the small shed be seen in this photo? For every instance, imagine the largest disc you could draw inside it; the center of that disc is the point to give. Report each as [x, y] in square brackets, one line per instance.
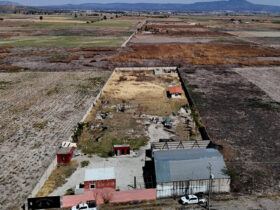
[123, 149]
[65, 154]
[175, 91]
[99, 178]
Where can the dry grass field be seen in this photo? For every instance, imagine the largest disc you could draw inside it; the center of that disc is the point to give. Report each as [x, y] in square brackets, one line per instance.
[37, 112]
[203, 54]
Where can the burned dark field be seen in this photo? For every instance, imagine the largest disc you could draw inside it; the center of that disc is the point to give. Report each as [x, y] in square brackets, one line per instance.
[244, 121]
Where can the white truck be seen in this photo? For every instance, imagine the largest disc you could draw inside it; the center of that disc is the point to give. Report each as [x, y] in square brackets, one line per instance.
[192, 199]
[89, 205]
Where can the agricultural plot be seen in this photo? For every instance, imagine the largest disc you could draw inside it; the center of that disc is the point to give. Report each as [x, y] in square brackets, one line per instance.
[266, 78]
[180, 32]
[203, 54]
[243, 119]
[62, 31]
[62, 41]
[38, 111]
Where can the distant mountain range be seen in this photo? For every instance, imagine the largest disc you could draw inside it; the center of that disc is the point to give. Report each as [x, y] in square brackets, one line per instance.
[215, 6]
[9, 3]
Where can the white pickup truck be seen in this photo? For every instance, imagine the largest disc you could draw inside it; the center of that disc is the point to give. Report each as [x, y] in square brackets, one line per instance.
[89, 205]
[192, 199]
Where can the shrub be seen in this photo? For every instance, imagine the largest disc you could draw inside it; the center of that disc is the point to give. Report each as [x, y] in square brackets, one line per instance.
[84, 163]
[70, 191]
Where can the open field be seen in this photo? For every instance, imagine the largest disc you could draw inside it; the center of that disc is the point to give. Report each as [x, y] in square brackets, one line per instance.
[64, 31]
[55, 58]
[38, 111]
[233, 81]
[242, 118]
[203, 54]
[62, 41]
[265, 78]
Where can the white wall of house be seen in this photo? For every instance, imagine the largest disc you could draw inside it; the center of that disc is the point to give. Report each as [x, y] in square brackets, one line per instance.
[176, 95]
[171, 189]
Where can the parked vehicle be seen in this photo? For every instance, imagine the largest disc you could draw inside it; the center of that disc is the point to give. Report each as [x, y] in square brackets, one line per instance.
[89, 205]
[192, 199]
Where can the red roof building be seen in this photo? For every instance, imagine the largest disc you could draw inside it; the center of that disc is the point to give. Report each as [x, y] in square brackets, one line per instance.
[175, 91]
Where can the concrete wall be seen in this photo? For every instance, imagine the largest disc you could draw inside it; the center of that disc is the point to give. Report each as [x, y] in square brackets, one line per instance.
[145, 68]
[165, 190]
[43, 179]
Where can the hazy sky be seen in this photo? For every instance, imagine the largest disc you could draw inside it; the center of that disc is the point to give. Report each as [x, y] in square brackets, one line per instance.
[55, 2]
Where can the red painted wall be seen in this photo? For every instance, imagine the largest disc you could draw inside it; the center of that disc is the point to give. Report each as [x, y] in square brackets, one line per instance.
[65, 158]
[123, 150]
[100, 184]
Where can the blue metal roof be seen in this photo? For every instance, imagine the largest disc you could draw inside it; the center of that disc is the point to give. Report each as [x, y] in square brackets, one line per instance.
[188, 164]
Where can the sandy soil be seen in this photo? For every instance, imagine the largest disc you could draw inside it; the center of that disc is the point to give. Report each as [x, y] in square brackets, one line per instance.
[38, 111]
[266, 78]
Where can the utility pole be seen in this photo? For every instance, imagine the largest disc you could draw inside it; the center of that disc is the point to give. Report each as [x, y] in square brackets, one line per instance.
[210, 178]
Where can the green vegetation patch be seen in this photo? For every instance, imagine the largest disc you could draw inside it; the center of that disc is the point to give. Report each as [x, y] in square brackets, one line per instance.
[264, 105]
[5, 85]
[115, 23]
[84, 163]
[104, 148]
[62, 41]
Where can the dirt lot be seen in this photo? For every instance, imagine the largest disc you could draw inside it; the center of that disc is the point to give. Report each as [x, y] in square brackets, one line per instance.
[244, 120]
[129, 102]
[38, 111]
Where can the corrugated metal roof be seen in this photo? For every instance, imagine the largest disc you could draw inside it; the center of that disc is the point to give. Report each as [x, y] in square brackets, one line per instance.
[96, 174]
[191, 164]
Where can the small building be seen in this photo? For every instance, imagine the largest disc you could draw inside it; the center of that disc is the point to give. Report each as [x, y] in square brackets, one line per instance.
[175, 91]
[186, 171]
[123, 149]
[65, 154]
[99, 178]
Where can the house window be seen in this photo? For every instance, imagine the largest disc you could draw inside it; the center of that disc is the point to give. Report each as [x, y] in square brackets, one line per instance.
[62, 158]
[92, 186]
